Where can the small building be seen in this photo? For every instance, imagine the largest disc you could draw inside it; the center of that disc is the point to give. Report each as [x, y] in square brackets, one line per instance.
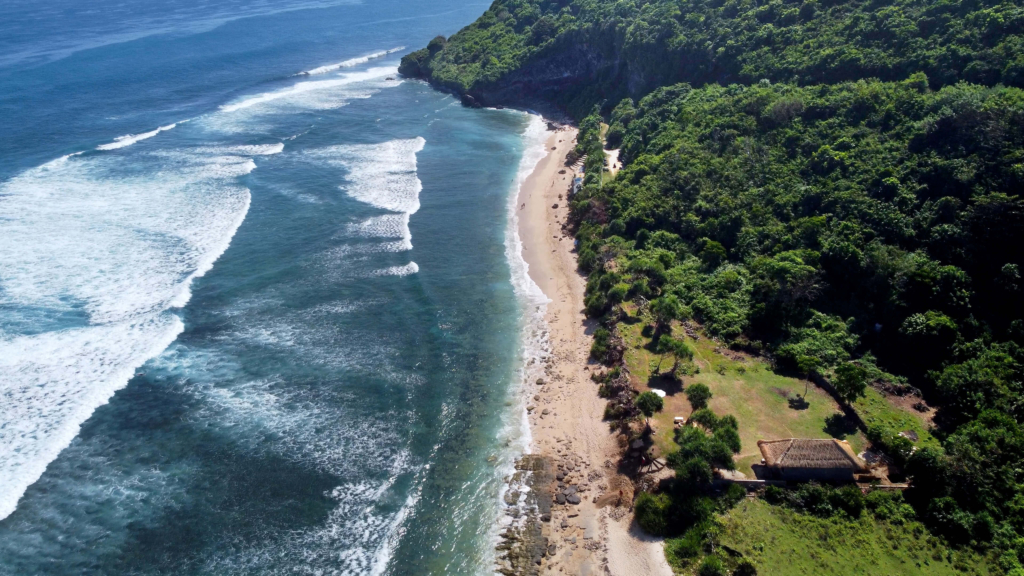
[577, 183]
[802, 459]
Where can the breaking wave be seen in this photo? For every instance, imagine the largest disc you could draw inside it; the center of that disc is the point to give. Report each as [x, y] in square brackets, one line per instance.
[350, 63]
[129, 139]
[102, 248]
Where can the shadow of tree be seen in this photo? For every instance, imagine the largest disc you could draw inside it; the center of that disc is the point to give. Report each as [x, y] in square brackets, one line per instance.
[799, 403]
[840, 426]
[670, 384]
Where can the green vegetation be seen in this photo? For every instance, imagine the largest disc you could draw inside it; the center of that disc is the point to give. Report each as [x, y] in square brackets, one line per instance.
[826, 237]
[597, 50]
[780, 540]
[767, 404]
[698, 395]
[832, 186]
[648, 403]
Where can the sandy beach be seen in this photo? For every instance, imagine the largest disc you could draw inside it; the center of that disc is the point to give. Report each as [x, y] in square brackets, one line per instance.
[597, 535]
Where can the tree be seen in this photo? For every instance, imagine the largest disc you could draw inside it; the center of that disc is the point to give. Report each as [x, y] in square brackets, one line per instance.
[648, 403]
[682, 352]
[807, 365]
[850, 381]
[665, 310]
[698, 395]
[678, 348]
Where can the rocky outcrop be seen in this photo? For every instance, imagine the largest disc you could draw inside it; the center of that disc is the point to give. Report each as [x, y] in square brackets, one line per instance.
[523, 546]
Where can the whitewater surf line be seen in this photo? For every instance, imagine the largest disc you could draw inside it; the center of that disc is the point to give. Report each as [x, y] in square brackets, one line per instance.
[118, 239]
[129, 139]
[350, 62]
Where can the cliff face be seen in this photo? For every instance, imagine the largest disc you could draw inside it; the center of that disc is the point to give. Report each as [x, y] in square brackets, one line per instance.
[548, 78]
[575, 53]
[546, 82]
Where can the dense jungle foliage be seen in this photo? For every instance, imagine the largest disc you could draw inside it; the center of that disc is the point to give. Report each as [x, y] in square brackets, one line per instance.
[834, 184]
[873, 224]
[638, 45]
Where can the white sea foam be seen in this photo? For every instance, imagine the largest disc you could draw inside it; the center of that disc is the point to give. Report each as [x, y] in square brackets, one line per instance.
[534, 343]
[129, 139]
[301, 425]
[115, 242]
[301, 92]
[383, 176]
[533, 300]
[410, 268]
[389, 226]
[252, 149]
[350, 63]
[52, 383]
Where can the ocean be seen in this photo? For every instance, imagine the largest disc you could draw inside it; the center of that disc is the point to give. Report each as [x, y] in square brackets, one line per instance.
[262, 304]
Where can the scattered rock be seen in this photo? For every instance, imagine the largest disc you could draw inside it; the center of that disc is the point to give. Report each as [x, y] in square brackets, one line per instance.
[555, 206]
[560, 498]
[573, 499]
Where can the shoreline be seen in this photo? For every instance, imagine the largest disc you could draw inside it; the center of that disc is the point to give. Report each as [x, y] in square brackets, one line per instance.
[576, 486]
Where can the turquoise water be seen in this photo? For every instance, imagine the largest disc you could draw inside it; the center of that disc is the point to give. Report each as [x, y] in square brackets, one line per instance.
[261, 306]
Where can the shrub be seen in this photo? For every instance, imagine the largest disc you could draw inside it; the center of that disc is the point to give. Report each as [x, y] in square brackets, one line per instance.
[698, 395]
[849, 499]
[680, 551]
[615, 411]
[745, 568]
[652, 513]
[889, 506]
[899, 448]
[711, 566]
[649, 403]
[599, 348]
[775, 495]
[734, 494]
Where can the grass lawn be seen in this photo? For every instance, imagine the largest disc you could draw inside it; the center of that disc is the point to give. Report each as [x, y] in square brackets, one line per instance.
[875, 409]
[782, 542]
[742, 386]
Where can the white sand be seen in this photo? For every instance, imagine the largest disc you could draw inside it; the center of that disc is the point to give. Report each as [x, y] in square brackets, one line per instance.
[602, 543]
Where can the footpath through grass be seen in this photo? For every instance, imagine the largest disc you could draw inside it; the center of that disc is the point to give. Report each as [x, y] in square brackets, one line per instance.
[783, 542]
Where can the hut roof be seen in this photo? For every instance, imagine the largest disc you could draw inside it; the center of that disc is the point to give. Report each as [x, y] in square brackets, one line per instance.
[810, 453]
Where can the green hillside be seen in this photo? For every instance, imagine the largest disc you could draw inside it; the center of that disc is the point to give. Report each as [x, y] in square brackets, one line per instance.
[577, 52]
[834, 186]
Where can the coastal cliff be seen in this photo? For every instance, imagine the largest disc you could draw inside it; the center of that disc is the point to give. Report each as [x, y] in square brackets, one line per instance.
[575, 53]
[830, 192]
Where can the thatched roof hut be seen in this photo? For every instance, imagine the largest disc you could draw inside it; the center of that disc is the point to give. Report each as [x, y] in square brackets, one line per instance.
[811, 459]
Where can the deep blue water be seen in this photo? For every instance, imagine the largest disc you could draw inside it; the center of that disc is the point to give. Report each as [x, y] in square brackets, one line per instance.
[260, 305]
